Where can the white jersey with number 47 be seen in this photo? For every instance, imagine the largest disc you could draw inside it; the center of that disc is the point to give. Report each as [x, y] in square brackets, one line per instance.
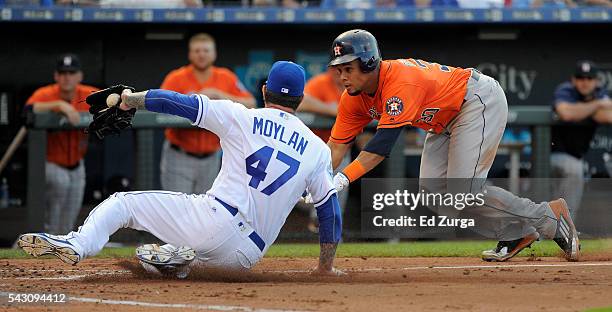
[269, 158]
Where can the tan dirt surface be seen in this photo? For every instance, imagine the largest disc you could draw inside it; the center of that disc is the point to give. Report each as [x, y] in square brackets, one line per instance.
[373, 284]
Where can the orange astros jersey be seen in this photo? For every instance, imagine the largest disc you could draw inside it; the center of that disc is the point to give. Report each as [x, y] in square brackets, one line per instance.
[410, 92]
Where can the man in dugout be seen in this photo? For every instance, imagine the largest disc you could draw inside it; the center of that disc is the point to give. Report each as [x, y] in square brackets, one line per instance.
[64, 170]
[581, 104]
[190, 157]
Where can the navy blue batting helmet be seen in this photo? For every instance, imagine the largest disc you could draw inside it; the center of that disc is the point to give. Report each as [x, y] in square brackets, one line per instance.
[356, 44]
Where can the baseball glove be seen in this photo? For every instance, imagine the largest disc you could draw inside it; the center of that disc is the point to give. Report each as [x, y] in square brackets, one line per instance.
[108, 118]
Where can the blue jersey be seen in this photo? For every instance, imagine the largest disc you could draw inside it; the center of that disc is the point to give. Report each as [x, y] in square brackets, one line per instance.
[567, 93]
[572, 138]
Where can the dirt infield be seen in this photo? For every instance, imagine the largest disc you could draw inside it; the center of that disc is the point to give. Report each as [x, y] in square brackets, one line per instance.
[373, 284]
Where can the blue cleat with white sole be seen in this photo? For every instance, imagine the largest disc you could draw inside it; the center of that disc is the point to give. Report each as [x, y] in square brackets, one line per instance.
[166, 260]
[40, 244]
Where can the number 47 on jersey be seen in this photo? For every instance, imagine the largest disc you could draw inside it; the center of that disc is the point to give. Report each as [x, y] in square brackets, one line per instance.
[258, 171]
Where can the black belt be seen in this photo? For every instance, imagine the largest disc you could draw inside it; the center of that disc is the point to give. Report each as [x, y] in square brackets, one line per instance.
[257, 240]
[195, 155]
[71, 168]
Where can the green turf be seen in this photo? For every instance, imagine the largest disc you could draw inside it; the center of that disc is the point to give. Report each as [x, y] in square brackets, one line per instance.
[403, 249]
[608, 309]
[426, 249]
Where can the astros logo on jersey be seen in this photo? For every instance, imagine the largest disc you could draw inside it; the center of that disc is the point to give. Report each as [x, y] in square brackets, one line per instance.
[394, 106]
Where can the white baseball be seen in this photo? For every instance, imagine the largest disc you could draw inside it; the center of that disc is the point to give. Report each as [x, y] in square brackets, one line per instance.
[112, 99]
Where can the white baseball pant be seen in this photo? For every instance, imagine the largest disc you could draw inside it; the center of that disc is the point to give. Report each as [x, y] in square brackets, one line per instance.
[220, 239]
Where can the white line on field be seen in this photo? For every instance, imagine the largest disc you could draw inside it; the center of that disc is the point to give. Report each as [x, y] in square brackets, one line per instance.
[248, 309]
[494, 266]
[168, 305]
[68, 270]
[491, 266]
[176, 305]
[64, 278]
[461, 267]
[58, 278]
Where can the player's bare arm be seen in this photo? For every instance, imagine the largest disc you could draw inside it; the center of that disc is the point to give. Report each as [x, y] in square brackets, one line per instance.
[326, 260]
[61, 106]
[131, 99]
[312, 105]
[161, 101]
[330, 232]
[604, 114]
[248, 102]
[338, 150]
[577, 111]
[216, 94]
[369, 160]
[47, 106]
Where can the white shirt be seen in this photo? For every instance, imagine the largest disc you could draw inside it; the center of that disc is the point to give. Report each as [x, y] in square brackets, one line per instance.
[269, 158]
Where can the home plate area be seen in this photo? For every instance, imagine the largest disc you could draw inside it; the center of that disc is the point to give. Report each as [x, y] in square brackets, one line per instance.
[285, 284]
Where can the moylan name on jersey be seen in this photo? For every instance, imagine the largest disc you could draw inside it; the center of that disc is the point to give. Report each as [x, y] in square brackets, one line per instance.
[274, 130]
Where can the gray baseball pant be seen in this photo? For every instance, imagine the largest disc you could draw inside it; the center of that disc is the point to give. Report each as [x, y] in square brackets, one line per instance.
[570, 171]
[64, 194]
[467, 150]
[186, 174]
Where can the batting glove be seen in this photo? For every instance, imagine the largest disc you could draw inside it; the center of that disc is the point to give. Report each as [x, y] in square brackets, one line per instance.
[341, 181]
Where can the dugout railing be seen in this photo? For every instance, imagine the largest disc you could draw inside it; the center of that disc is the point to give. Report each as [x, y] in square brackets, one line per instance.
[538, 118]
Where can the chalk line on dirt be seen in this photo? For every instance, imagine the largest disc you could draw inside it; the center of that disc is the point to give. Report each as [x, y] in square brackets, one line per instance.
[214, 307]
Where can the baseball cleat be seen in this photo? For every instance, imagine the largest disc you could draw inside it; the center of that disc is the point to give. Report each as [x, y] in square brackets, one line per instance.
[508, 249]
[165, 260]
[39, 244]
[566, 236]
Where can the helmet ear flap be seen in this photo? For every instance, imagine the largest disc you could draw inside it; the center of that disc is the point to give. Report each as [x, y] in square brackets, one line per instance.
[369, 64]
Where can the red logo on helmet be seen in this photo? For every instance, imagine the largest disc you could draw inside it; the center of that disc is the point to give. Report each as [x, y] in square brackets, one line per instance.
[337, 50]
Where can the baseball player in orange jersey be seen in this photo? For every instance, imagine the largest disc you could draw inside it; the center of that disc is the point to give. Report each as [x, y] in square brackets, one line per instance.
[190, 157]
[464, 112]
[65, 166]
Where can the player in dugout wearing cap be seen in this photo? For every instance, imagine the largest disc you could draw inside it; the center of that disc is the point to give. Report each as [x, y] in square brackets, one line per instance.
[64, 169]
[581, 105]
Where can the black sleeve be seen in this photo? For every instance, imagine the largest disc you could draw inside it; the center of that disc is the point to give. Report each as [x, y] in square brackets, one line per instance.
[383, 141]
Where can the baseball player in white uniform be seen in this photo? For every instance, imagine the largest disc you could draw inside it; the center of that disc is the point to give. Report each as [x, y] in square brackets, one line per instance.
[270, 158]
